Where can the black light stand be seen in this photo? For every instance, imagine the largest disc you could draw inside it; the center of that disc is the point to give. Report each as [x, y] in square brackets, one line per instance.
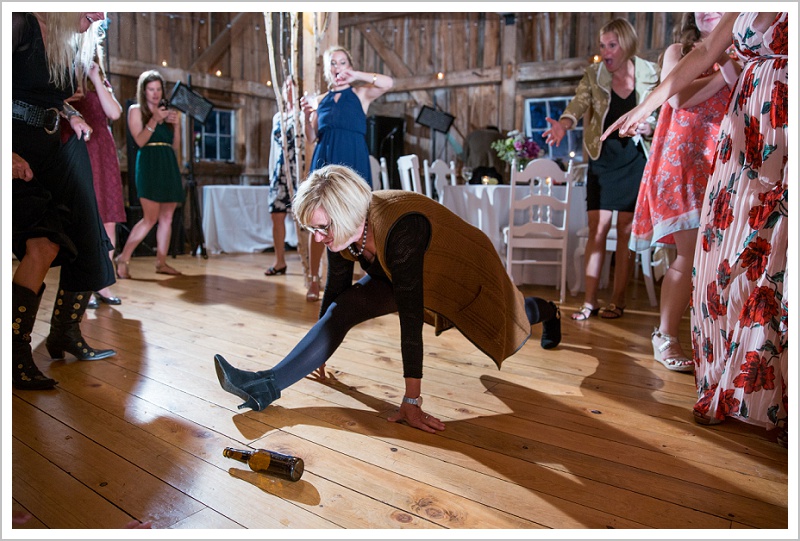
[197, 108]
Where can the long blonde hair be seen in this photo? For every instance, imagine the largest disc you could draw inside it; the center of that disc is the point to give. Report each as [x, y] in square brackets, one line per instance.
[66, 52]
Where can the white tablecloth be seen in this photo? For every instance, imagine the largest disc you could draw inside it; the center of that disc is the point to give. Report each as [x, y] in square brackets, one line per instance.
[237, 219]
[486, 207]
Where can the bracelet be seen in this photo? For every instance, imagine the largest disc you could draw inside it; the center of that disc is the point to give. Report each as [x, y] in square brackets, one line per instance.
[70, 111]
[374, 77]
[151, 130]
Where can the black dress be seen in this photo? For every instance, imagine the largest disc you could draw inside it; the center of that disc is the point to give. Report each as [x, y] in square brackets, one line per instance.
[59, 202]
[612, 181]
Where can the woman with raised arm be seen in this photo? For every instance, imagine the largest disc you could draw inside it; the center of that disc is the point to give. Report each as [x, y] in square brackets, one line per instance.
[339, 126]
[739, 308]
[607, 90]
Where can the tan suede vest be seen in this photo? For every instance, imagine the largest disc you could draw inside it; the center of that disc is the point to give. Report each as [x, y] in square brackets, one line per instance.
[465, 283]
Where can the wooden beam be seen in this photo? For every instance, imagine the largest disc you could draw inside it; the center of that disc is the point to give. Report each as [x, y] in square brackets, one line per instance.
[508, 72]
[220, 46]
[394, 62]
[475, 77]
[355, 19]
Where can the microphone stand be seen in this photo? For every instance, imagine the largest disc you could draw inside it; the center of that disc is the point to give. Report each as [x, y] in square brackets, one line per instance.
[393, 166]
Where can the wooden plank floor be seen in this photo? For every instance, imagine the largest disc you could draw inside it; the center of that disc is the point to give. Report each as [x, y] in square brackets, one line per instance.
[593, 434]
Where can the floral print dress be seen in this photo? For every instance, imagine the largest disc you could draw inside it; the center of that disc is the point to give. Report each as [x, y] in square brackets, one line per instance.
[740, 302]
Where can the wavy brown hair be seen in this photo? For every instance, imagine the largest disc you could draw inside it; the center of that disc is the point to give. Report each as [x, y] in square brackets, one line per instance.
[141, 97]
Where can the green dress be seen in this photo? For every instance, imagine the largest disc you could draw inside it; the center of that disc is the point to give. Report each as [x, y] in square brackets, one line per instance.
[157, 175]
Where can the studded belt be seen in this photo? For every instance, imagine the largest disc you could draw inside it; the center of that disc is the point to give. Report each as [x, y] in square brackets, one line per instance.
[35, 116]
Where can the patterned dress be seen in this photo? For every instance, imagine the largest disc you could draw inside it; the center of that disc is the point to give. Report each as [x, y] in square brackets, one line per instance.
[677, 171]
[279, 199]
[740, 301]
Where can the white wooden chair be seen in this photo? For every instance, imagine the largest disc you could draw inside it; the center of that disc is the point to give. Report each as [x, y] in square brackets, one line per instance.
[408, 167]
[379, 171]
[437, 175]
[385, 184]
[537, 219]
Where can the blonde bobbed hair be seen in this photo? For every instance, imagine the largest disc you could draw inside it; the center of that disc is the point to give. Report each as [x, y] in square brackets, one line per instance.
[626, 35]
[341, 193]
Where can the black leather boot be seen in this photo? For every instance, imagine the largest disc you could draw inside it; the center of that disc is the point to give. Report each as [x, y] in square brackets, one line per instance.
[65, 328]
[25, 305]
[549, 315]
[257, 389]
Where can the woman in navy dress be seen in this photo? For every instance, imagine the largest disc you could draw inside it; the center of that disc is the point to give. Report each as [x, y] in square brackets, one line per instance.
[338, 125]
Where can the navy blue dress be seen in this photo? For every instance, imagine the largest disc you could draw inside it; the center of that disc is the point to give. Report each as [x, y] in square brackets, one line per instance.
[342, 127]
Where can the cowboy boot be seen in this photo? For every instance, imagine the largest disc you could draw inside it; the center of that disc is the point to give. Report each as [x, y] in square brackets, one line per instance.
[25, 305]
[257, 389]
[65, 330]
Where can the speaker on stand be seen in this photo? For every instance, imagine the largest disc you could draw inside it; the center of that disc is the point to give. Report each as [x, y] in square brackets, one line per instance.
[197, 108]
[385, 140]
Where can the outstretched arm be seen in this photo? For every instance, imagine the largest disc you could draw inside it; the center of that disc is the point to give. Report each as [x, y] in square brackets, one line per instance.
[688, 69]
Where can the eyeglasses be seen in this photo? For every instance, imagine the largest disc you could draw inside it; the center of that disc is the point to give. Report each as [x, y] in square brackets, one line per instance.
[322, 229]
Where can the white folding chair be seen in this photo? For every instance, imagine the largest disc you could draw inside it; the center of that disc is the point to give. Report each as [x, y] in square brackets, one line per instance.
[437, 175]
[409, 173]
[537, 219]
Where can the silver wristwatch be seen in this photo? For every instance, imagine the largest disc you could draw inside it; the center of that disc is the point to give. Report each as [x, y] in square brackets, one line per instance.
[413, 401]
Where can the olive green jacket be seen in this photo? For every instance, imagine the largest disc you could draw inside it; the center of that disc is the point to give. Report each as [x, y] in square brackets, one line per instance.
[594, 95]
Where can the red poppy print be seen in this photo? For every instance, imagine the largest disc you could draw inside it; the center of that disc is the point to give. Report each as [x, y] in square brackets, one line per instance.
[708, 351]
[723, 215]
[724, 274]
[754, 141]
[746, 89]
[704, 403]
[727, 404]
[716, 307]
[779, 108]
[755, 257]
[759, 214]
[725, 147]
[780, 37]
[760, 307]
[756, 374]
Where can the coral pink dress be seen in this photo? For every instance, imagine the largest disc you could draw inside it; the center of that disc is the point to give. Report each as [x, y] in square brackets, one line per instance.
[740, 301]
[677, 171]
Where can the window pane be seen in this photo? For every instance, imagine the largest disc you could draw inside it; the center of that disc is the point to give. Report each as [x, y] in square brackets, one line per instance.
[557, 108]
[538, 111]
[210, 148]
[225, 122]
[225, 149]
[211, 123]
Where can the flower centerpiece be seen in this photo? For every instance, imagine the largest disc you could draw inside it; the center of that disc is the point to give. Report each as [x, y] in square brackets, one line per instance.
[517, 147]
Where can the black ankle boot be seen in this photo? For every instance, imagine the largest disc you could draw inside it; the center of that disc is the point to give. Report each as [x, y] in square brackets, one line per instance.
[551, 330]
[25, 305]
[65, 329]
[257, 389]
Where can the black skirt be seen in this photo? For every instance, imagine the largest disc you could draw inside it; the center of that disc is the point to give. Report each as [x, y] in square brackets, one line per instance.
[60, 204]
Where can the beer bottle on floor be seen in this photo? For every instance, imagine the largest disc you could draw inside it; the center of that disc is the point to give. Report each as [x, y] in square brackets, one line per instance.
[262, 460]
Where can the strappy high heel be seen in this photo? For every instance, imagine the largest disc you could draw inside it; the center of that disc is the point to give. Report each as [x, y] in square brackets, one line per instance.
[312, 295]
[676, 363]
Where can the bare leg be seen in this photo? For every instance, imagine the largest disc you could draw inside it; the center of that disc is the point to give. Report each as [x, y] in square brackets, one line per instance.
[676, 288]
[624, 260]
[279, 239]
[140, 230]
[594, 255]
[32, 270]
[164, 232]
